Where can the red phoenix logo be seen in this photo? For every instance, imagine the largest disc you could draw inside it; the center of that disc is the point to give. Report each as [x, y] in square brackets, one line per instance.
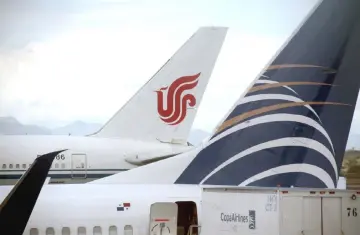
[176, 106]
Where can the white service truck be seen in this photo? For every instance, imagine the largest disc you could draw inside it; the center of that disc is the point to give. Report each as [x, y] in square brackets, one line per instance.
[279, 211]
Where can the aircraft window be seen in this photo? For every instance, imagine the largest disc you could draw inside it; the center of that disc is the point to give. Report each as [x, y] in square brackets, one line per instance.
[128, 230]
[4, 166]
[24, 166]
[56, 165]
[11, 166]
[50, 231]
[113, 230]
[81, 231]
[17, 166]
[34, 231]
[62, 165]
[97, 230]
[65, 231]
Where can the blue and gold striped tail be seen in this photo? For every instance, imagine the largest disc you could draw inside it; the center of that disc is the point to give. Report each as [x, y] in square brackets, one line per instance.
[292, 125]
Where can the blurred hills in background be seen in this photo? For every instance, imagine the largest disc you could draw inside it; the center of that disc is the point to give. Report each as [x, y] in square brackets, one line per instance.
[11, 126]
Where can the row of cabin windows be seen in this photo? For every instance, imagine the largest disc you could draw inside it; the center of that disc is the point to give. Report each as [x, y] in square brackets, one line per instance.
[97, 230]
[17, 166]
[24, 166]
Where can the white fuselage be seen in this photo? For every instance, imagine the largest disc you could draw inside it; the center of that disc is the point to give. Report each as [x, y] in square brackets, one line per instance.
[86, 159]
[74, 206]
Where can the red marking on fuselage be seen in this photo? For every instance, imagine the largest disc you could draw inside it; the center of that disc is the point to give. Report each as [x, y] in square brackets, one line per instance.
[161, 220]
[176, 107]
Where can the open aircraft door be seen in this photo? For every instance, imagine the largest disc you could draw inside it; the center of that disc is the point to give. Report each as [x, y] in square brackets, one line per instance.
[163, 218]
[78, 165]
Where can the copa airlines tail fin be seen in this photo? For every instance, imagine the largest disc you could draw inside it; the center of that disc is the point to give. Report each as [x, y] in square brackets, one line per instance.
[164, 108]
[291, 126]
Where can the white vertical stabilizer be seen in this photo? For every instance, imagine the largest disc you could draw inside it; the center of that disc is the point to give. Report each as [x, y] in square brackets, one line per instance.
[164, 109]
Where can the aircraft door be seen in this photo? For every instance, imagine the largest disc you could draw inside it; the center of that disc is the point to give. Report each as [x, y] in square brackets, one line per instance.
[78, 165]
[163, 218]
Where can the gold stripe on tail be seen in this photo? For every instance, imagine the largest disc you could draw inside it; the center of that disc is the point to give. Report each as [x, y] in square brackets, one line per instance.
[252, 113]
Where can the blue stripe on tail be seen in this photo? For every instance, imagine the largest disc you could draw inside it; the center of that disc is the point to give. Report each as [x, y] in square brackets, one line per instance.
[291, 127]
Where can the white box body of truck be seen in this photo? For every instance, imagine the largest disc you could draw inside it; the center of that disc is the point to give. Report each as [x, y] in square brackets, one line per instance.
[279, 211]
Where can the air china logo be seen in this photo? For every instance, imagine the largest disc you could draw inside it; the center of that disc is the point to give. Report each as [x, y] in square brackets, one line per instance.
[176, 102]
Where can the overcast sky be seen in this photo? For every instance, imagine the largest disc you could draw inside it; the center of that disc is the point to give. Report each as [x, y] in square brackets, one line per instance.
[82, 60]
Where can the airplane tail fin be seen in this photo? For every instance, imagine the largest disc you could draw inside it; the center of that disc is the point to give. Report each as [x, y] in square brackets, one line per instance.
[164, 108]
[291, 127]
[16, 208]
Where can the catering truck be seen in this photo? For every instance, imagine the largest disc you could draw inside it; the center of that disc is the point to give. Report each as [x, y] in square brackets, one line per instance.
[279, 211]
